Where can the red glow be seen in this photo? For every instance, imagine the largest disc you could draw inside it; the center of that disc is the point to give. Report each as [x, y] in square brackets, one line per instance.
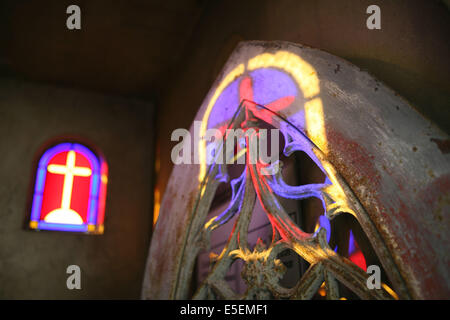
[245, 89]
[358, 258]
[52, 193]
[246, 93]
[102, 195]
[281, 103]
[54, 183]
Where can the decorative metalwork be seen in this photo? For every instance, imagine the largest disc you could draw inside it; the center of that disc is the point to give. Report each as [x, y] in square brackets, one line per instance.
[262, 270]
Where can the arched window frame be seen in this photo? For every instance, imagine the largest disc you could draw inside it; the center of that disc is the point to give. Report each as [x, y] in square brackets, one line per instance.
[97, 191]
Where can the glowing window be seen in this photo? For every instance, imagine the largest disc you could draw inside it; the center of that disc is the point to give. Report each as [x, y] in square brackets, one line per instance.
[70, 190]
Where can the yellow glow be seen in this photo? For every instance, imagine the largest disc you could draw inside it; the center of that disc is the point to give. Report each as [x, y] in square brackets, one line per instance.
[209, 223]
[101, 228]
[317, 227]
[389, 290]
[33, 224]
[343, 298]
[336, 192]
[239, 154]
[305, 76]
[104, 179]
[315, 126]
[65, 214]
[322, 290]
[91, 227]
[157, 204]
[62, 215]
[236, 72]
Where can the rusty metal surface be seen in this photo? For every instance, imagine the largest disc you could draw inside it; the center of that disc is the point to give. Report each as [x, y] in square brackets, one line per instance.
[384, 155]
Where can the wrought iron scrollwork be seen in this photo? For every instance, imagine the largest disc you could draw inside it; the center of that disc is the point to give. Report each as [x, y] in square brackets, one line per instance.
[262, 182]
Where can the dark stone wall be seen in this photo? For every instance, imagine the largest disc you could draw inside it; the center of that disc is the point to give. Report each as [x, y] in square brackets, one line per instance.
[33, 264]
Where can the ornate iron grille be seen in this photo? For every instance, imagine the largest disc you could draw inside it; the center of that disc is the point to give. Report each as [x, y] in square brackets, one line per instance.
[261, 181]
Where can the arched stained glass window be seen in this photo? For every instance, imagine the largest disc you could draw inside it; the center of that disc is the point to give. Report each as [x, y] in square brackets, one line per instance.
[70, 190]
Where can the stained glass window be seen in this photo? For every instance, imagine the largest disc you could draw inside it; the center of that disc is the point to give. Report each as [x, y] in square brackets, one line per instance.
[70, 190]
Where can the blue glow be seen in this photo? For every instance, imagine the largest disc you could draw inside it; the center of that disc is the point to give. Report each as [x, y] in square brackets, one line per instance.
[325, 223]
[95, 185]
[42, 225]
[36, 209]
[351, 244]
[50, 153]
[92, 217]
[40, 180]
[91, 156]
[237, 198]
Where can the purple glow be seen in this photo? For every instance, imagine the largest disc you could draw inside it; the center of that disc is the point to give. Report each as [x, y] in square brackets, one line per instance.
[36, 208]
[237, 198]
[52, 152]
[271, 84]
[42, 225]
[225, 106]
[325, 223]
[351, 244]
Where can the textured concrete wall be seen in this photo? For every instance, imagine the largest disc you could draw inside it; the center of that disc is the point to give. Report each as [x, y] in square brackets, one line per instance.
[409, 54]
[33, 264]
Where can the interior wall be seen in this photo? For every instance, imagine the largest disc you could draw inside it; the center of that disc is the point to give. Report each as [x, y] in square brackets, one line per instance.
[33, 263]
[409, 54]
[124, 47]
